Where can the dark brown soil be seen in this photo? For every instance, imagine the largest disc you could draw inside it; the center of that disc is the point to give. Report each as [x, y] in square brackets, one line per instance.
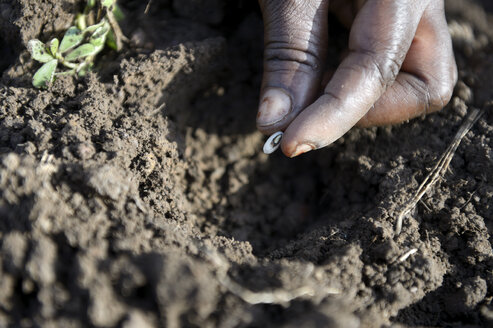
[139, 196]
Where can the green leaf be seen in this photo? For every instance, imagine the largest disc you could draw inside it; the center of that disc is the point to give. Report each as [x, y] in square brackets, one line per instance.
[111, 41]
[101, 31]
[82, 51]
[92, 28]
[38, 51]
[98, 38]
[91, 3]
[118, 13]
[107, 3]
[45, 75]
[54, 46]
[72, 38]
[98, 43]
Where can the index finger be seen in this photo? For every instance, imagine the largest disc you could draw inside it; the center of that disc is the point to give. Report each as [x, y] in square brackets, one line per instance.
[380, 38]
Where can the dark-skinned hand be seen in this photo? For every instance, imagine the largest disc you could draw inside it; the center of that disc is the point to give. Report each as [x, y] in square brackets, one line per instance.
[400, 65]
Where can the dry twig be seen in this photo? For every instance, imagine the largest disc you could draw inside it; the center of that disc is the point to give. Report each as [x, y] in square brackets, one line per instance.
[273, 296]
[148, 6]
[119, 36]
[440, 167]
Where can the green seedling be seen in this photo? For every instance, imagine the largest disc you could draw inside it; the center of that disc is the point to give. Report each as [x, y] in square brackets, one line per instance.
[75, 54]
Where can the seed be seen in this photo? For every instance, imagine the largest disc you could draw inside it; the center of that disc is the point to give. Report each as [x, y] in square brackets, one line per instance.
[273, 143]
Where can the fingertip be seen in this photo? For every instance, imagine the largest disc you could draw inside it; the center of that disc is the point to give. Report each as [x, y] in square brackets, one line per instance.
[293, 148]
[286, 150]
[302, 149]
[318, 125]
[297, 150]
[275, 105]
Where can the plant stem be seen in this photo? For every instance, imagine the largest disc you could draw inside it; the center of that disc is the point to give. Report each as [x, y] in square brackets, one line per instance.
[119, 36]
[66, 63]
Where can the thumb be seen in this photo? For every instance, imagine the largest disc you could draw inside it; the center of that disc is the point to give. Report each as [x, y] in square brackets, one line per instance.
[295, 44]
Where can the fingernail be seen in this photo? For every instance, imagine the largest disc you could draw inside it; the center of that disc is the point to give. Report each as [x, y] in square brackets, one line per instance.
[274, 106]
[301, 149]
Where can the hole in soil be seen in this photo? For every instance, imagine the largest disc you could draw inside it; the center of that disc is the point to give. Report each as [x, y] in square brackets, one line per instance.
[282, 198]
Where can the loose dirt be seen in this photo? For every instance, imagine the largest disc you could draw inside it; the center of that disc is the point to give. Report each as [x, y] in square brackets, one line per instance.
[139, 196]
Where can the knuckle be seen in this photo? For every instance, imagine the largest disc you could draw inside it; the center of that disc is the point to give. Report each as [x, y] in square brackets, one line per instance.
[385, 66]
[291, 42]
[440, 84]
[441, 93]
[388, 68]
[441, 90]
[284, 56]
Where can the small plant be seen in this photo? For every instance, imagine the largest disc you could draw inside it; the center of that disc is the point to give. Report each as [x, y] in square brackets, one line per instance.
[93, 29]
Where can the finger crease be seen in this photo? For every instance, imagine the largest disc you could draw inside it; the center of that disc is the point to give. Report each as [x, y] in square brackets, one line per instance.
[394, 66]
[311, 61]
[332, 95]
[279, 45]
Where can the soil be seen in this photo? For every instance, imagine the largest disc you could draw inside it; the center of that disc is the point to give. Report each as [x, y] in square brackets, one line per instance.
[138, 196]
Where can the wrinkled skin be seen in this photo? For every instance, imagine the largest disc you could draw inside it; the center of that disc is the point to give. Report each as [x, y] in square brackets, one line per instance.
[400, 65]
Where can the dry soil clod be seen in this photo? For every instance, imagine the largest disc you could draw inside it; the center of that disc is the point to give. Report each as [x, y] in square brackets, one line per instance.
[273, 142]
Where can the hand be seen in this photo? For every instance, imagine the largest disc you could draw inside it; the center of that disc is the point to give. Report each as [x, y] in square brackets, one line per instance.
[400, 65]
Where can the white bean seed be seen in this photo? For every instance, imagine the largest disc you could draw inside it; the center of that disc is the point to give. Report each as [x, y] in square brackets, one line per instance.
[273, 143]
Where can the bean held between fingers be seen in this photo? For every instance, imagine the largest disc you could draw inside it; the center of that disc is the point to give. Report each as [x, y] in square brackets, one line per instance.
[273, 143]
[400, 65]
